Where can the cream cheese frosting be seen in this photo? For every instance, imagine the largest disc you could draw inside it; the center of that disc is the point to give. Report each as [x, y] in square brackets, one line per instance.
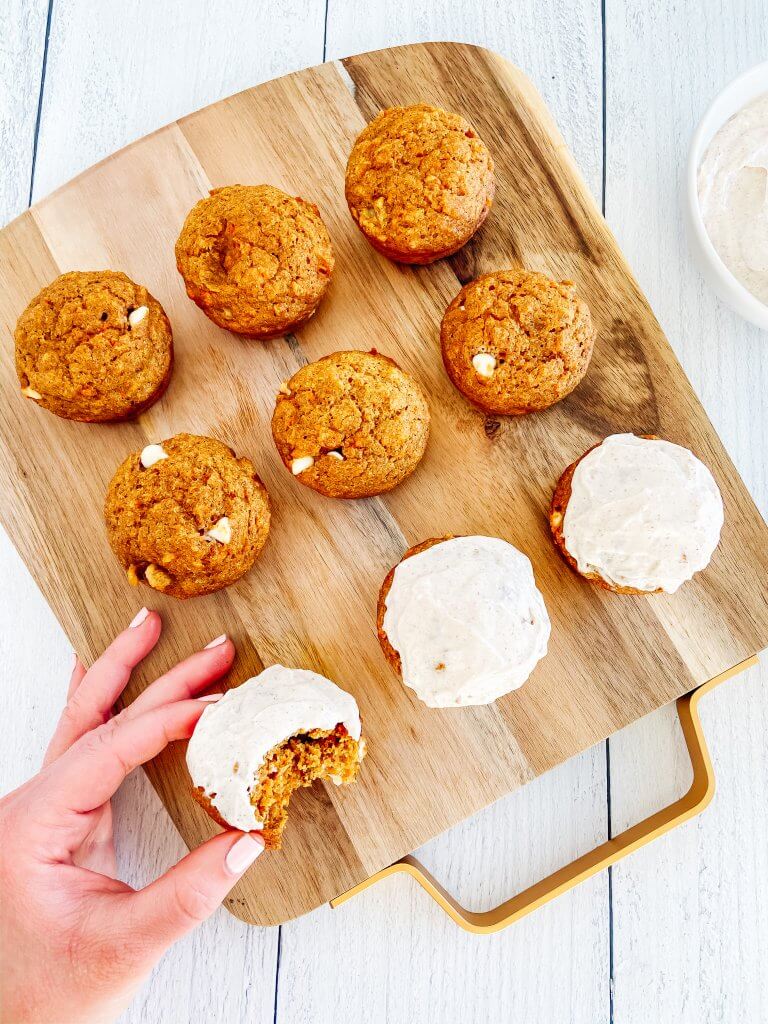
[642, 513]
[234, 735]
[467, 620]
[733, 195]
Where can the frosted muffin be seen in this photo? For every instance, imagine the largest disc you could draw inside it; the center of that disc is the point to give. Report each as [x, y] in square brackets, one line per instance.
[515, 341]
[462, 620]
[255, 260]
[94, 346]
[186, 516]
[637, 515]
[419, 183]
[265, 739]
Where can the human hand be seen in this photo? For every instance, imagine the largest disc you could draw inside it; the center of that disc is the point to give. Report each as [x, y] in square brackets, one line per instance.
[76, 942]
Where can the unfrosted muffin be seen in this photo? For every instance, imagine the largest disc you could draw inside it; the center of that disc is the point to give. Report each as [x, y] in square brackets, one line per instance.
[265, 739]
[515, 341]
[419, 183]
[351, 425]
[637, 515]
[461, 620]
[186, 516]
[94, 346]
[255, 260]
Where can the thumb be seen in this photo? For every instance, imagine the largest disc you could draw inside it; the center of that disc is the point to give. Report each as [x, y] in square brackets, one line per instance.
[186, 895]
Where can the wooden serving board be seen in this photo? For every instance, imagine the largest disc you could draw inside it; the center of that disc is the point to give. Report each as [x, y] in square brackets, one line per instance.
[310, 601]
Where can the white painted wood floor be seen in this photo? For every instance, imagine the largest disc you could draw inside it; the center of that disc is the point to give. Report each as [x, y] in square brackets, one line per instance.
[679, 932]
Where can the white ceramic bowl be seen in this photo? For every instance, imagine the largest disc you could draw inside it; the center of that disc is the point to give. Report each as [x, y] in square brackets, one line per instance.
[738, 93]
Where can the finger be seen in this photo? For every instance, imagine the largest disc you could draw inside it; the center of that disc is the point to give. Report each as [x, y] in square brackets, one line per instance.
[76, 678]
[191, 891]
[58, 743]
[87, 774]
[188, 678]
[92, 700]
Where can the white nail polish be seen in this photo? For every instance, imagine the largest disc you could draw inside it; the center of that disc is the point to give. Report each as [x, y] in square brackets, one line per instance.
[210, 698]
[217, 642]
[139, 618]
[243, 853]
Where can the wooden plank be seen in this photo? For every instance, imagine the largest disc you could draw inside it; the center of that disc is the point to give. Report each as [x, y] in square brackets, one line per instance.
[405, 961]
[22, 48]
[634, 383]
[690, 912]
[22, 44]
[118, 71]
[402, 959]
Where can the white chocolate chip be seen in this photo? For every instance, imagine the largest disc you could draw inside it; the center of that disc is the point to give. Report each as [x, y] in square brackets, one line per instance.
[336, 455]
[484, 364]
[361, 745]
[335, 779]
[31, 393]
[221, 531]
[137, 315]
[299, 465]
[151, 454]
[285, 390]
[157, 577]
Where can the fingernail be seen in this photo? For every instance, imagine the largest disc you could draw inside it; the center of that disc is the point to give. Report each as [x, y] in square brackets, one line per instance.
[243, 854]
[211, 697]
[73, 658]
[217, 642]
[139, 618]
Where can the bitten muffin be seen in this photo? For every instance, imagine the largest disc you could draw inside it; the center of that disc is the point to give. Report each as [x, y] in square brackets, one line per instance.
[515, 341]
[637, 515]
[186, 516]
[255, 260]
[419, 183]
[461, 620]
[265, 739]
[94, 346]
[351, 425]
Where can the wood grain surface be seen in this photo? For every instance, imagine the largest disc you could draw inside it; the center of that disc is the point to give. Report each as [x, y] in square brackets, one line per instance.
[310, 599]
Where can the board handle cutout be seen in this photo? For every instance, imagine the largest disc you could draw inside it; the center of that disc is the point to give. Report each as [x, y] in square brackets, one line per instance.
[699, 795]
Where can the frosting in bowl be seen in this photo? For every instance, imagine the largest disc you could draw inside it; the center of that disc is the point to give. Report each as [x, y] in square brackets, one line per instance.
[642, 513]
[733, 195]
[467, 620]
[234, 735]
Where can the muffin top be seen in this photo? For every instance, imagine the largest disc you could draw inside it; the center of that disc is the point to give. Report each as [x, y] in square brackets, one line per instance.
[419, 182]
[186, 516]
[351, 424]
[516, 341]
[93, 346]
[256, 261]
[639, 514]
[462, 620]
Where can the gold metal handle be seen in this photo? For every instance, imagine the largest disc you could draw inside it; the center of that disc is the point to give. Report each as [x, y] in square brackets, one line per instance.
[701, 791]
